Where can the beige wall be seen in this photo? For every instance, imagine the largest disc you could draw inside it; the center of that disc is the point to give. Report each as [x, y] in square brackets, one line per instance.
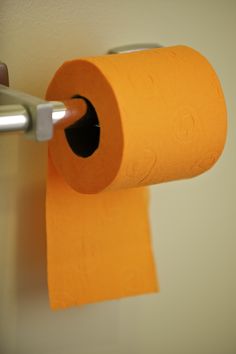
[193, 222]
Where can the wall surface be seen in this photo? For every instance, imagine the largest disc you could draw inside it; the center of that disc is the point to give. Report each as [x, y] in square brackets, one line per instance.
[193, 222]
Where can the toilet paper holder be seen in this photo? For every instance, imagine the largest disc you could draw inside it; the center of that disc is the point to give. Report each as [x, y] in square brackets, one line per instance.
[20, 112]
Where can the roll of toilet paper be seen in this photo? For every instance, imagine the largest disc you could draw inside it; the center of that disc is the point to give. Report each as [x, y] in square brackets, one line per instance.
[144, 118]
[161, 114]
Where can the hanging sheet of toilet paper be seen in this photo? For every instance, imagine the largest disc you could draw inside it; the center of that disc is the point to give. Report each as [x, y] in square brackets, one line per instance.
[162, 117]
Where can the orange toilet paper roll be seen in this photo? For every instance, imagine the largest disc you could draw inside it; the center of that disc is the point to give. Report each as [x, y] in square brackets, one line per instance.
[162, 117]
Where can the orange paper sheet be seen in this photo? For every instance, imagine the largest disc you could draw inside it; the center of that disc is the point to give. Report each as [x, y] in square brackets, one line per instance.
[162, 117]
[99, 245]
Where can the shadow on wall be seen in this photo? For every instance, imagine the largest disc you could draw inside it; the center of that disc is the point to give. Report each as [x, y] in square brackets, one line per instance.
[31, 231]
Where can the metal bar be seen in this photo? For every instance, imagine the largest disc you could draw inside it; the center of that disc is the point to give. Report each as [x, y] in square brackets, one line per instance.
[130, 48]
[14, 118]
[40, 111]
[59, 111]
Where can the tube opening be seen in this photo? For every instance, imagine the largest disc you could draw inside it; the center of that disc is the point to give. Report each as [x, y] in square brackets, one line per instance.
[83, 136]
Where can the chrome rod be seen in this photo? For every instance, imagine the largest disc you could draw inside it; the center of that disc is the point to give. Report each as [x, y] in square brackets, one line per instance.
[59, 111]
[15, 118]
